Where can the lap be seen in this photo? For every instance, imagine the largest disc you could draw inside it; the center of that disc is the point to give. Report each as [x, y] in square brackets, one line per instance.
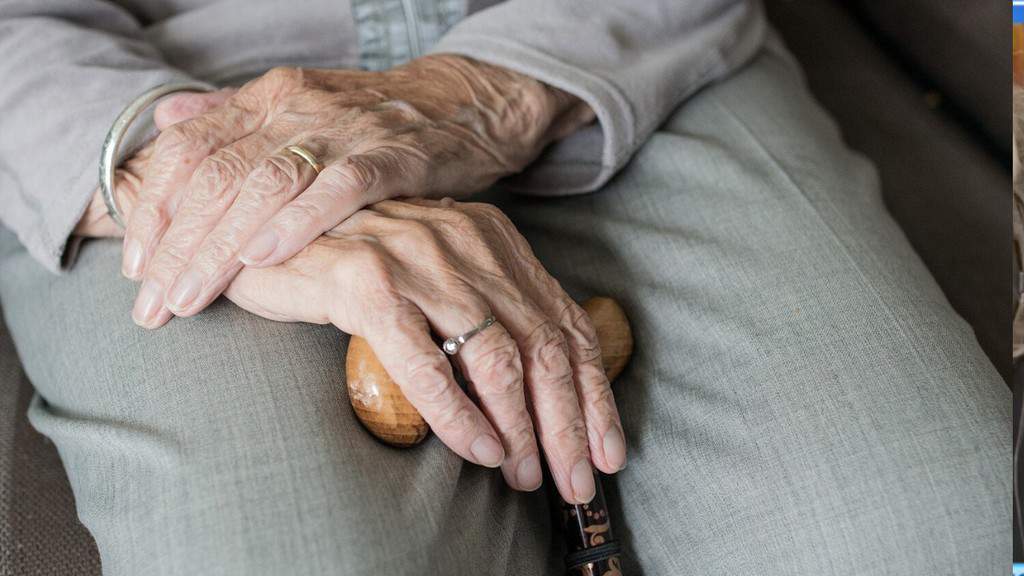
[225, 443]
[802, 398]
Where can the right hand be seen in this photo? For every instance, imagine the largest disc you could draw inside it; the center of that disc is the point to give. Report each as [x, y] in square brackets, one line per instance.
[398, 271]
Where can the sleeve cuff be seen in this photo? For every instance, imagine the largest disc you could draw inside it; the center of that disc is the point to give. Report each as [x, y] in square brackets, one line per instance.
[583, 161]
[51, 243]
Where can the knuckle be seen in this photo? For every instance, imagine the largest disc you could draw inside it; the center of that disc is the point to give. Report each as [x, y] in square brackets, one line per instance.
[489, 210]
[520, 435]
[462, 220]
[282, 77]
[301, 214]
[570, 433]
[461, 226]
[471, 229]
[217, 176]
[174, 139]
[274, 177]
[406, 111]
[417, 231]
[372, 261]
[602, 397]
[500, 370]
[550, 353]
[375, 274]
[217, 252]
[372, 120]
[359, 173]
[188, 140]
[419, 236]
[586, 346]
[427, 377]
[491, 214]
[593, 382]
[457, 418]
[170, 259]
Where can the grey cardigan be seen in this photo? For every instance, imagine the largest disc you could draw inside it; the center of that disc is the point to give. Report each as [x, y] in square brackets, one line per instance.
[67, 67]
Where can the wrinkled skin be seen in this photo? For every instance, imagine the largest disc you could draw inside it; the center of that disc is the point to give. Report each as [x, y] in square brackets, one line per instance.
[397, 271]
[219, 190]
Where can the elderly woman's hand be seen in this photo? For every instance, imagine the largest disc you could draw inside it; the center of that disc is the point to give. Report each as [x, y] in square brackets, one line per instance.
[396, 272]
[96, 221]
[399, 271]
[220, 190]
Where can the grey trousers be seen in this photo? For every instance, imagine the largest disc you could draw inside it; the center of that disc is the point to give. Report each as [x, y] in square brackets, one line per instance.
[803, 400]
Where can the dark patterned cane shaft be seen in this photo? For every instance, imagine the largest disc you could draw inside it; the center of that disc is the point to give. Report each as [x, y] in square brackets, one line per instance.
[608, 567]
[590, 542]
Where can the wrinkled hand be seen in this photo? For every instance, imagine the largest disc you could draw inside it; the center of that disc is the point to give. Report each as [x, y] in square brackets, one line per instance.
[219, 190]
[399, 271]
[96, 222]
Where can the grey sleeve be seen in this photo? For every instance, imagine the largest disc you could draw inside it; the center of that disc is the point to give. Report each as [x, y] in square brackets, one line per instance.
[68, 68]
[632, 61]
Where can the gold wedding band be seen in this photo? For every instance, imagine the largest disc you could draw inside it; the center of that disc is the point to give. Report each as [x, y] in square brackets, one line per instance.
[305, 155]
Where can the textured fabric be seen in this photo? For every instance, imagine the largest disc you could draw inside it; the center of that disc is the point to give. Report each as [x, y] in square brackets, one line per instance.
[39, 533]
[69, 66]
[941, 183]
[82, 61]
[392, 32]
[802, 400]
[632, 62]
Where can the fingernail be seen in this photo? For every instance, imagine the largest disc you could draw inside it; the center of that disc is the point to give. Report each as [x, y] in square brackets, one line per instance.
[487, 451]
[185, 289]
[582, 479]
[132, 262]
[259, 248]
[615, 448]
[148, 302]
[528, 474]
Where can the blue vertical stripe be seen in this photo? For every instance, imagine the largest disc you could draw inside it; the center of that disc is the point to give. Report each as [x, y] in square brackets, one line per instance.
[392, 32]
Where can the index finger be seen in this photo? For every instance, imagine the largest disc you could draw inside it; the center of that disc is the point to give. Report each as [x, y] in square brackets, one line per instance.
[211, 191]
[422, 371]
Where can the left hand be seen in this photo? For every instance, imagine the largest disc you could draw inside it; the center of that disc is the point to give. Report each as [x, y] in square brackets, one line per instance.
[220, 191]
[396, 272]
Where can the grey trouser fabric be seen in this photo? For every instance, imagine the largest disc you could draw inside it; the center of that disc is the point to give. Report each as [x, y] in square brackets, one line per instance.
[803, 400]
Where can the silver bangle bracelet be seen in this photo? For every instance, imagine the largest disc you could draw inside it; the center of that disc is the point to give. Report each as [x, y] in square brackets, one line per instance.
[119, 128]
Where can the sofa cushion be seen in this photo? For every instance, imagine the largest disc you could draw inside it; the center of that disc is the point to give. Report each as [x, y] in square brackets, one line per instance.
[39, 531]
[962, 46]
[946, 189]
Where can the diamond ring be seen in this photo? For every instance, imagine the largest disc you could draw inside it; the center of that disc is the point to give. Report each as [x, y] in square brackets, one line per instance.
[451, 346]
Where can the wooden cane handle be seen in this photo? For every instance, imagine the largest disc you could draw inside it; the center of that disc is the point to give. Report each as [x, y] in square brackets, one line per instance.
[380, 405]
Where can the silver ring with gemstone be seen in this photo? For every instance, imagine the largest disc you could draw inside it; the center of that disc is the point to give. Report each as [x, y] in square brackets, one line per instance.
[451, 346]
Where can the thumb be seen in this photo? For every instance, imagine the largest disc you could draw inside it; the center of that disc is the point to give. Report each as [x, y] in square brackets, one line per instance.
[186, 105]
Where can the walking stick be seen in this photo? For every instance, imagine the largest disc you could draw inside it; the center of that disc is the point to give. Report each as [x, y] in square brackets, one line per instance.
[382, 408]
